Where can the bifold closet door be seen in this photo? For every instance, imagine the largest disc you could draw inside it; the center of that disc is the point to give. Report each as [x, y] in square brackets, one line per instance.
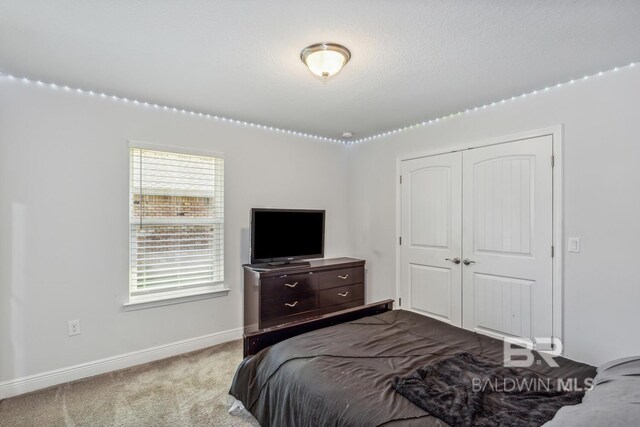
[507, 237]
[431, 236]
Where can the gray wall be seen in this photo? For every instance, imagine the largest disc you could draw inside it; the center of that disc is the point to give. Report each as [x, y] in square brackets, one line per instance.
[601, 118]
[64, 171]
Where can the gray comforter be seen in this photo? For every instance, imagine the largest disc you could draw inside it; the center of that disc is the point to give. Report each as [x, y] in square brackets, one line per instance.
[344, 375]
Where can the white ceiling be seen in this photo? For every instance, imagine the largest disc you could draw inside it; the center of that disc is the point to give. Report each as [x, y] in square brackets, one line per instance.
[411, 60]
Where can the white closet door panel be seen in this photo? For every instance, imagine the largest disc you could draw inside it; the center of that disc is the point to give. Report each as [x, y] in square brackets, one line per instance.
[431, 211]
[431, 290]
[507, 232]
[431, 232]
[503, 205]
[502, 305]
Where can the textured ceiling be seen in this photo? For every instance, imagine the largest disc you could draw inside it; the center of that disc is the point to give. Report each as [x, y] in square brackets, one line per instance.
[412, 60]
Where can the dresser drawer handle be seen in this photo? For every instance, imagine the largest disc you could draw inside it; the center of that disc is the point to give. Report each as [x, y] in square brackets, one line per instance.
[344, 277]
[291, 305]
[289, 285]
[344, 294]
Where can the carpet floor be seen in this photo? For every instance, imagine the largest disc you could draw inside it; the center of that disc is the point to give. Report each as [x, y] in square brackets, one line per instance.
[186, 390]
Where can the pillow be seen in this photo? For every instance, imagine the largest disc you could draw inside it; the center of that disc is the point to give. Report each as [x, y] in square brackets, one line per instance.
[613, 401]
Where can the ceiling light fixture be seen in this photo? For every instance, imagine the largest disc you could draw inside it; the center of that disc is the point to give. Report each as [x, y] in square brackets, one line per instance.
[325, 59]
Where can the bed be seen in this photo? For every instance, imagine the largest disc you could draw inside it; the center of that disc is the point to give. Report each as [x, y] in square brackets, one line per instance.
[344, 374]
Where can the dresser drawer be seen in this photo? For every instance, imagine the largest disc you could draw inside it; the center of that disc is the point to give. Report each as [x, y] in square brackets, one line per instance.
[340, 277]
[341, 295]
[286, 305]
[335, 308]
[287, 285]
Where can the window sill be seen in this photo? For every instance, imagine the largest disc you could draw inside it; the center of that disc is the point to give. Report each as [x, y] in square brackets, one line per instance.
[170, 298]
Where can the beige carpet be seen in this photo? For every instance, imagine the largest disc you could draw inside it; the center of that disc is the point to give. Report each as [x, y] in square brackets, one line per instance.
[186, 390]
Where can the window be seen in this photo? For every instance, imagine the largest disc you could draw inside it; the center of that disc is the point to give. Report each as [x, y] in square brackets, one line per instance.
[177, 225]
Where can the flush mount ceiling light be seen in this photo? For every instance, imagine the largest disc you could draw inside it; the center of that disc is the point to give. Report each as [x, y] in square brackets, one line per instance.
[325, 59]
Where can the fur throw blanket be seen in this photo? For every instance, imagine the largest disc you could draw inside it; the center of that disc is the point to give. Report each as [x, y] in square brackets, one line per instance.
[463, 390]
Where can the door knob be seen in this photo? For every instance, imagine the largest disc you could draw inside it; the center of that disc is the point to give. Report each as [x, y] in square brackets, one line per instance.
[467, 261]
[456, 260]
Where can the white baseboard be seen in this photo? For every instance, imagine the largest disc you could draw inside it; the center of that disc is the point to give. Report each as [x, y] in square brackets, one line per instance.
[50, 378]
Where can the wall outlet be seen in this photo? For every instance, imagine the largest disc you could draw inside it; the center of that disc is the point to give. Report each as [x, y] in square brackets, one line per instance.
[74, 327]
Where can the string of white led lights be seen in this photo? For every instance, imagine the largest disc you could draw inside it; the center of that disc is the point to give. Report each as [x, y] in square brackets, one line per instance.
[168, 108]
[298, 133]
[491, 104]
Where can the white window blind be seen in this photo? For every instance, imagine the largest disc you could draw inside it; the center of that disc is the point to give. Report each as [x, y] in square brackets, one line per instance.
[177, 222]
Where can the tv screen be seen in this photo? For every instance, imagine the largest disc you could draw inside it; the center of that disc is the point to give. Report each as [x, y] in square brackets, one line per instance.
[286, 234]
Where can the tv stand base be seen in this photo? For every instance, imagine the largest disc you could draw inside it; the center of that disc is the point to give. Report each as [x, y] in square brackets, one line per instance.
[290, 263]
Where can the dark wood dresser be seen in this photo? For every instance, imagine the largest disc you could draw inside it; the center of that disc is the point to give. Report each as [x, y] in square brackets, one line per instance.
[286, 294]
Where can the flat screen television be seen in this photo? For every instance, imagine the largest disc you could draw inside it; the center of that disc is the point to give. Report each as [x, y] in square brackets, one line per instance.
[280, 236]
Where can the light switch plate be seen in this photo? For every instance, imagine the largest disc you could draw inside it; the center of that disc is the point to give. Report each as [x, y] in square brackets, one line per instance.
[574, 244]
